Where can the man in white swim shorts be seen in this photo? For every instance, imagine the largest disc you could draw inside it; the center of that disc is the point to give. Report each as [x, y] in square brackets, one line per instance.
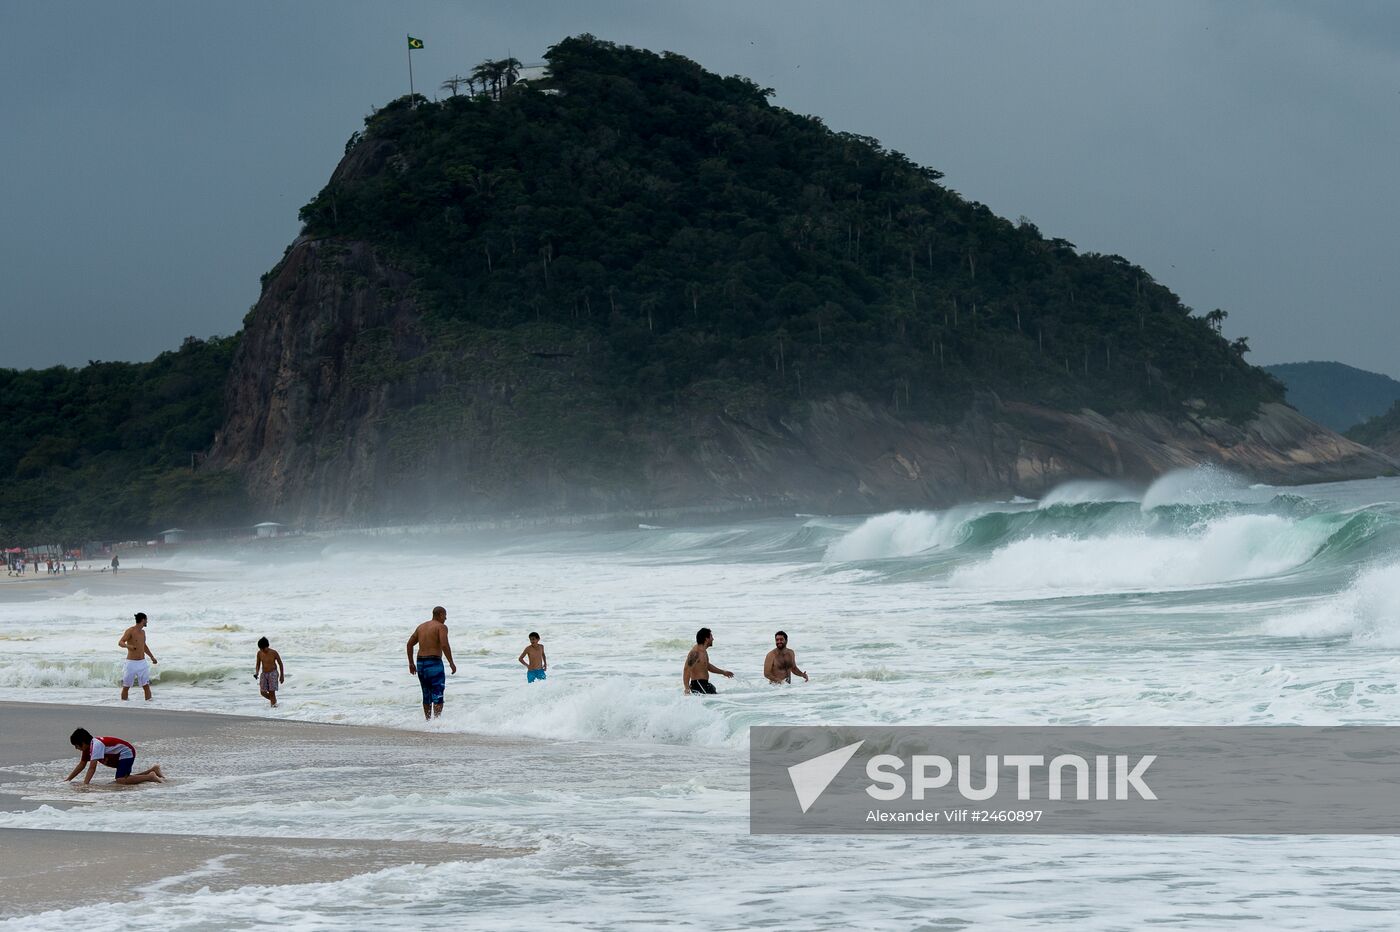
[137, 669]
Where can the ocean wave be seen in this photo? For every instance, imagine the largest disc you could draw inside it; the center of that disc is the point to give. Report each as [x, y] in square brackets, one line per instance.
[1233, 548]
[37, 674]
[1116, 544]
[611, 708]
[1195, 486]
[902, 534]
[1368, 611]
[1081, 491]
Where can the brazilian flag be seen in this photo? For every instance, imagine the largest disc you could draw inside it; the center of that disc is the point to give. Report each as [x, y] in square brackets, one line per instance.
[415, 43]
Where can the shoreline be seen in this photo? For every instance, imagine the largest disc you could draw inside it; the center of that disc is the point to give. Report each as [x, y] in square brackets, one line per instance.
[37, 587]
[48, 869]
[54, 869]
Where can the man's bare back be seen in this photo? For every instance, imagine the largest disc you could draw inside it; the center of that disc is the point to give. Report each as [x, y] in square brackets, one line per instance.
[134, 640]
[433, 648]
[431, 637]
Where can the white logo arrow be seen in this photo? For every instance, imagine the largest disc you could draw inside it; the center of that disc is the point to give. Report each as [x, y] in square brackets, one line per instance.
[811, 777]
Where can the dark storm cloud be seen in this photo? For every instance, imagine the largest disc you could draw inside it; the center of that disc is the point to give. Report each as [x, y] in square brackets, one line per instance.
[154, 155]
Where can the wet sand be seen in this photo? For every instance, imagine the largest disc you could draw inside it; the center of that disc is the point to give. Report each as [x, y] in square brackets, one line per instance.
[32, 587]
[42, 869]
[60, 870]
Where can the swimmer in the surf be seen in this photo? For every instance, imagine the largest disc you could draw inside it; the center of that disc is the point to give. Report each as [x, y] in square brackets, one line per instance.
[431, 640]
[781, 663]
[268, 671]
[695, 677]
[533, 659]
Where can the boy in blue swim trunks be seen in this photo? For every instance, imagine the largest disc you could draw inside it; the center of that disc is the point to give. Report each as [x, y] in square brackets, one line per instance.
[534, 660]
[431, 639]
[117, 753]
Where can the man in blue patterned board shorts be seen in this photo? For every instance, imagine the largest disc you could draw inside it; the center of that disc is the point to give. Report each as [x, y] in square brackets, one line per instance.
[431, 640]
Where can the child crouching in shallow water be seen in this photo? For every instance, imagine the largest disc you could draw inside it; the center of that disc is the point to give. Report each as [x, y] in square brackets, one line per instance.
[116, 753]
[273, 673]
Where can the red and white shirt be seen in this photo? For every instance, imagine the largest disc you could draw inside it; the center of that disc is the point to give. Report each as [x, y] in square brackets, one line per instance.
[118, 749]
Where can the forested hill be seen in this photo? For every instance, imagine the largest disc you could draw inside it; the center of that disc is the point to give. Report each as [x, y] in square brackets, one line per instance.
[106, 450]
[707, 241]
[639, 285]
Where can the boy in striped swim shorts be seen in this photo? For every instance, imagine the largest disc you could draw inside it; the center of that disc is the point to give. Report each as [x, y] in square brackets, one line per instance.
[268, 671]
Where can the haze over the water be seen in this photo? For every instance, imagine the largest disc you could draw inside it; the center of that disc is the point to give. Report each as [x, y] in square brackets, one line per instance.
[1242, 153]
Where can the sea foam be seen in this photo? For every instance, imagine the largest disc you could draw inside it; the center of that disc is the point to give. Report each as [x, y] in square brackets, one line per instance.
[1368, 610]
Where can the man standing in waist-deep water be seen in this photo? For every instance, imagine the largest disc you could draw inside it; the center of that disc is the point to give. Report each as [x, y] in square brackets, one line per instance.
[696, 676]
[431, 638]
[781, 663]
[137, 669]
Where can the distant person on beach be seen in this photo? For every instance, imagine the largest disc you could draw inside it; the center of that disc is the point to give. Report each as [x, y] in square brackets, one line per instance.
[781, 663]
[112, 752]
[695, 678]
[431, 639]
[137, 668]
[534, 660]
[116, 563]
[269, 662]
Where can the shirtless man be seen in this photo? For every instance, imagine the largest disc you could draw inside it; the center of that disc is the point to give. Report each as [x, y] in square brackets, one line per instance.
[431, 638]
[781, 662]
[137, 670]
[695, 678]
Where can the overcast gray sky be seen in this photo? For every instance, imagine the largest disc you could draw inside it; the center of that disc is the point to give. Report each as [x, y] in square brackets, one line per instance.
[154, 154]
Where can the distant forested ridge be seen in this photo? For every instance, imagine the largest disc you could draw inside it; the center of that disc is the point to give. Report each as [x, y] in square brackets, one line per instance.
[106, 450]
[1335, 394]
[706, 241]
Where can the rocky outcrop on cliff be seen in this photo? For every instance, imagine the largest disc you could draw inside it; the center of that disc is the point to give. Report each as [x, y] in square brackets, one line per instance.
[847, 456]
[348, 406]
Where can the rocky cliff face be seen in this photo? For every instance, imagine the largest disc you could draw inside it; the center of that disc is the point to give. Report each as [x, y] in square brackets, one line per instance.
[347, 406]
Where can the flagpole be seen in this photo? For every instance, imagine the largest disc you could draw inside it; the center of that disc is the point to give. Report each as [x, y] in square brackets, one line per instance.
[410, 71]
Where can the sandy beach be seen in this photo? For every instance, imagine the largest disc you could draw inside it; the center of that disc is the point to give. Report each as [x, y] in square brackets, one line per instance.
[47, 869]
[33, 587]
